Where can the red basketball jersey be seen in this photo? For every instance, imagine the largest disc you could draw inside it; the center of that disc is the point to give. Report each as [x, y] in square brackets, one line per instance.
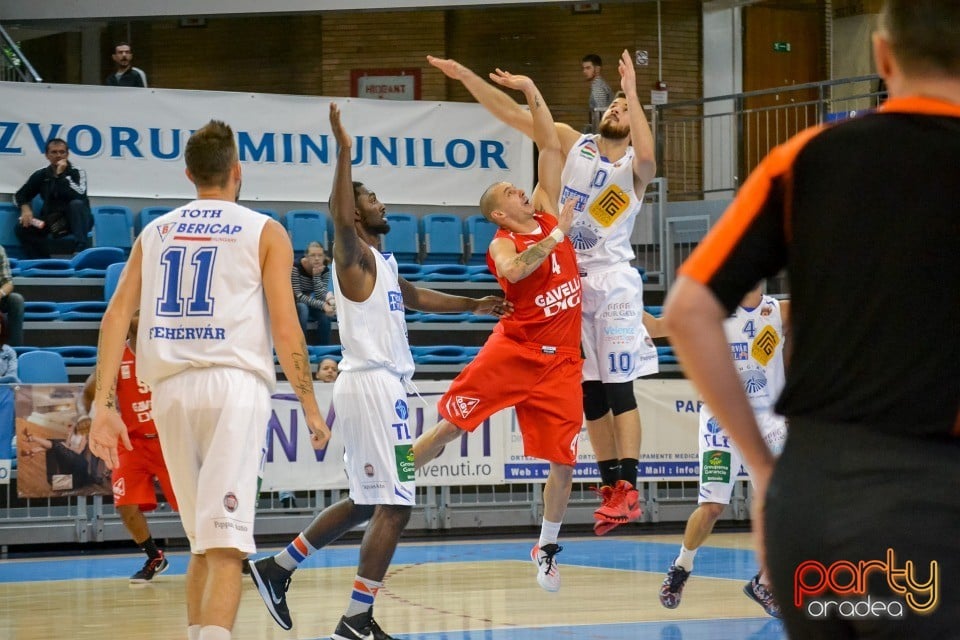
[546, 302]
[134, 399]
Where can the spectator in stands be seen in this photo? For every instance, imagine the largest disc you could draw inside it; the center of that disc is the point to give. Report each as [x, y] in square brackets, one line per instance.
[310, 278]
[327, 370]
[600, 93]
[125, 74]
[870, 471]
[11, 304]
[8, 357]
[65, 211]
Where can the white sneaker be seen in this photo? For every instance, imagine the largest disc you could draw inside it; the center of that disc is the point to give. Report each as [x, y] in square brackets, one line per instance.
[548, 571]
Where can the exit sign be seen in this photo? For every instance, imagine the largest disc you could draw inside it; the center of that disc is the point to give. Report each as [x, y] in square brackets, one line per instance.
[781, 46]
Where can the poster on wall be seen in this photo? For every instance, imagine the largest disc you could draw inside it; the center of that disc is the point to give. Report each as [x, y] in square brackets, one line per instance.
[53, 453]
[385, 84]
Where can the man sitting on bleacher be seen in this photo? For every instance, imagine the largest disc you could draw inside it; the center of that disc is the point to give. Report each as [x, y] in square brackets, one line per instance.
[11, 304]
[65, 211]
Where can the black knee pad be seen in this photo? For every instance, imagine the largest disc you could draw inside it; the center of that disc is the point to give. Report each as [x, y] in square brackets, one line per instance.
[594, 400]
[620, 397]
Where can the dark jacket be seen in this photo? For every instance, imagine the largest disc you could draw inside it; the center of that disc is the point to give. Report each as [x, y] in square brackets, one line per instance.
[56, 191]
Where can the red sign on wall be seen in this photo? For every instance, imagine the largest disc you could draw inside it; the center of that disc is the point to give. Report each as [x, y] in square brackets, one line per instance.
[385, 84]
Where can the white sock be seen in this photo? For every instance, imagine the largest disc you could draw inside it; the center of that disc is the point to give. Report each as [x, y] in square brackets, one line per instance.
[193, 632]
[212, 632]
[685, 559]
[549, 532]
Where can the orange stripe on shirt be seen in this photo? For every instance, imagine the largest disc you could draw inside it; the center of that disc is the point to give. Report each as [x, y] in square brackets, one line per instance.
[721, 240]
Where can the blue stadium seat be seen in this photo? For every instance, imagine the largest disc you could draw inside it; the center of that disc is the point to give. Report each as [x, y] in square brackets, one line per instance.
[148, 214]
[111, 278]
[35, 310]
[321, 351]
[479, 233]
[93, 262]
[89, 311]
[113, 227]
[654, 310]
[445, 317]
[665, 355]
[440, 355]
[410, 271]
[46, 268]
[412, 316]
[269, 212]
[445, 273]
[403, 241]
[480, 273]
[42, 367]
[442, 239]
[77, 356]
[305, 227]
[9, 219]
[475, 318]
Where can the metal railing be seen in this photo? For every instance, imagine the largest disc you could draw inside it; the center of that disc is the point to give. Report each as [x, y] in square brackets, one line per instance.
[14, 66]
[707, 147]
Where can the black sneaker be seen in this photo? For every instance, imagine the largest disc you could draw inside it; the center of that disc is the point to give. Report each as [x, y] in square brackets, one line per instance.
[672, 588]
[272, 582]
[150, 568]
[360, 627]
[762, 596]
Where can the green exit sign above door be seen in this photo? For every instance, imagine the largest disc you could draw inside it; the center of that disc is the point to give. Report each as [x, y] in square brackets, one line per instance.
[783, 47]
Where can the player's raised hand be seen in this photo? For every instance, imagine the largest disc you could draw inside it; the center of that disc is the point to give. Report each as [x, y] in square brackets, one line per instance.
[339, 133]
[450, 67]
[511, 81]
[565, 217]
[628, 75]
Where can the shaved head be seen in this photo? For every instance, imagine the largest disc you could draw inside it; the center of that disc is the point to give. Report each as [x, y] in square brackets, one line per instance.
[490, 200]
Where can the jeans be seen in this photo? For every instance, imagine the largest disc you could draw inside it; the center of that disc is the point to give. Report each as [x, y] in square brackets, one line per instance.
[12, 306]
[37, 243]
[306, 314]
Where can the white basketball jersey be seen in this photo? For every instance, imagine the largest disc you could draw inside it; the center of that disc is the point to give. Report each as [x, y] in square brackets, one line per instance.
[374, 332]
[606, 205]
[756, 344]
[202, 302]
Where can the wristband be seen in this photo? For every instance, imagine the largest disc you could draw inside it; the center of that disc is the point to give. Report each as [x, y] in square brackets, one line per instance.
[557, 235]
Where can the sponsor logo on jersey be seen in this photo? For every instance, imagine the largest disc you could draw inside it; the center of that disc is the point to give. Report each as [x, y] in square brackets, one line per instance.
[465, 405]
[165, 229]
[400, 406]
[369, 470]
[609, 205]
[120, 488]
[395, 299]
[715, 467]
[765, 345]
[766, 310]
[405, 463]
[739, 351]
[583, 238]
[713, 426]
[579, 196]
[230, 502]
[561, 298]
[754, 382]
[588, 151]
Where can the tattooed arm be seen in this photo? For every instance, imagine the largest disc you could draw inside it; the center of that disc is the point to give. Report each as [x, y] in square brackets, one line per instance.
[276, 256]
[107, 426]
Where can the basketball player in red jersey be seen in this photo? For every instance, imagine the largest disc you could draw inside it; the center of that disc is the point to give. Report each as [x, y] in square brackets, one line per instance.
[532, 360]
[133, 491]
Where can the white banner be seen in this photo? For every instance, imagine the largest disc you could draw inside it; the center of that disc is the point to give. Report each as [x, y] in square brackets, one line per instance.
[292, 463]
[669, 417]
[130, 142]
[493, 454]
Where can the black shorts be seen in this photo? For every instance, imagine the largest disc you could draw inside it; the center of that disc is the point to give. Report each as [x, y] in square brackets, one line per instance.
[842, 495]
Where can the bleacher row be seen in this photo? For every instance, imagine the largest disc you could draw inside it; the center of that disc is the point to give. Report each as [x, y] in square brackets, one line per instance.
[435, 239]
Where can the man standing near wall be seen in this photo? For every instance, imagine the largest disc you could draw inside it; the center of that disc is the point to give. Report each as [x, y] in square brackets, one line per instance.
[125, 74]
[600, 93]
[605, 175]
